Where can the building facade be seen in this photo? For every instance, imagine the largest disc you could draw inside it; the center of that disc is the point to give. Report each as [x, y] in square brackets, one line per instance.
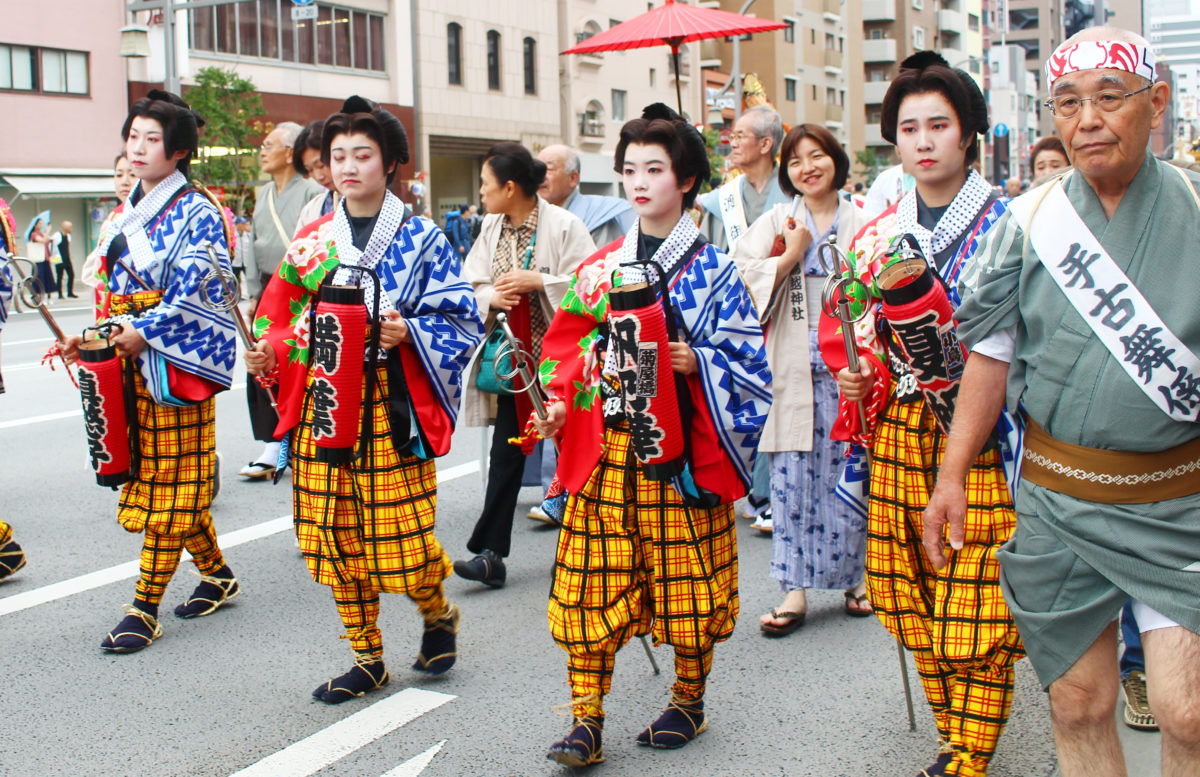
[597, 93]
[895, 29]
[52, 76]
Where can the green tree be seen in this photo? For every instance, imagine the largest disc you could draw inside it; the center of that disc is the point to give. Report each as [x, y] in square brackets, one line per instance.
[233, 112]
[712, 141]
[871, 163]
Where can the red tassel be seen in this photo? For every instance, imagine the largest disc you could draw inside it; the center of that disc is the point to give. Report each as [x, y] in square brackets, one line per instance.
[338, 347]
[102, 390]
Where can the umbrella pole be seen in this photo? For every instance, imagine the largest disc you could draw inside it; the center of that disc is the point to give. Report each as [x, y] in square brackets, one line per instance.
[678, 92]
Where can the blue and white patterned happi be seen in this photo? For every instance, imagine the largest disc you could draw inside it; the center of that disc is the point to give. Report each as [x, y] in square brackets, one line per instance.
[180, 329]
[421, 278]
[715, 309]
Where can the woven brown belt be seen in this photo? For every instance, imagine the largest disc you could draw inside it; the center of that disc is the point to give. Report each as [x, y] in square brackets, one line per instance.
[1109, 477]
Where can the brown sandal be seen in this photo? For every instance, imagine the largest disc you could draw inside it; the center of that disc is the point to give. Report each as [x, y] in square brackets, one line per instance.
[791, 622]
[855, 608]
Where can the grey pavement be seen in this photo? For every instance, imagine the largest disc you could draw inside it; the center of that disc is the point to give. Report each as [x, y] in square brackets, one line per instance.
[220, 693]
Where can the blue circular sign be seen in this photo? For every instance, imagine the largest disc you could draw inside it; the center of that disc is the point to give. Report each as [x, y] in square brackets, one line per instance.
[303, 2]
[1000, 131]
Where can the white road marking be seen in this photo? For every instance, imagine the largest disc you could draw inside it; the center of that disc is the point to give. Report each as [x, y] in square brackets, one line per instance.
[47, 339]
[76, 585]
[314, 753]
[415, 765]
[37, 419]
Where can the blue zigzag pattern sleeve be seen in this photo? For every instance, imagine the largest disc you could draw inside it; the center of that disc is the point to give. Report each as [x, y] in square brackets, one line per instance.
[180, 328]
[426, 282]
[728, 342]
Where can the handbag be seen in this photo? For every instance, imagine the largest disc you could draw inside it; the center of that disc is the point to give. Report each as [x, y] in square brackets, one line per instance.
[487, 381]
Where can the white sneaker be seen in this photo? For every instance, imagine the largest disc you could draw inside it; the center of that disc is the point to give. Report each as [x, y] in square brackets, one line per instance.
[536, 513]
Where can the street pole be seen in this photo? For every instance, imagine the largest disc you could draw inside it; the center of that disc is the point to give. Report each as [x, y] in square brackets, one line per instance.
[168, 9]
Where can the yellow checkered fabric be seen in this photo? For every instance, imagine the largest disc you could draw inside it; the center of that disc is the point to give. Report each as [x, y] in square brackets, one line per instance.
[633, 560]
[5, 533]
[371, 521]
[171, 492]
[954, 620]
[161, 553]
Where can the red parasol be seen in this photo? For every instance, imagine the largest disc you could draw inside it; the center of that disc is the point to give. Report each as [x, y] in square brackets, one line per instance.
[673, 24]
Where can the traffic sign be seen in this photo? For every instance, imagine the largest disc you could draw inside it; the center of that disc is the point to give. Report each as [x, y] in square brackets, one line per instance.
[302, 12]
[1000, 130]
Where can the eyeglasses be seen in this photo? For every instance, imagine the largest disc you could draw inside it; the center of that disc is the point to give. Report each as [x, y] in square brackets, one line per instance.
[272, 146]
[740, 136]
[1108, 101]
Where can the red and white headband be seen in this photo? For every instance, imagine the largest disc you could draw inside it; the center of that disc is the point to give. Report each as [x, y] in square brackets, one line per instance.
[1096, 54]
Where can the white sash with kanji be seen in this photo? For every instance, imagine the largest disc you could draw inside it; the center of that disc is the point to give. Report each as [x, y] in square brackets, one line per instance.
[1155, 359]
[733, 211]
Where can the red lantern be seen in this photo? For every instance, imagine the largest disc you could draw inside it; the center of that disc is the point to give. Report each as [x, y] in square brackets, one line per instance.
[338, 347]
[102, 390]
[638, 331]
[918, 310]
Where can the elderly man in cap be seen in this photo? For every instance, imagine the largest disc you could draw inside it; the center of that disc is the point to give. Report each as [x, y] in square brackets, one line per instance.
[607, 218]
[1081, 309]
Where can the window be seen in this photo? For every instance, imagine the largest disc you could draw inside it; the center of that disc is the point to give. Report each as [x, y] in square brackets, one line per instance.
[618, 104]
[530, 53]
[789, 89]
[973, 22]
[830, 42]
[613, 23]
[45, 70]
[876, 34]
[652, 74]
[1022, 19]
[918, 38]
[264, 29]
[831, 97]
[493, 60]
[454, 53]
[918, 4]
[789, 32]
[814, 92]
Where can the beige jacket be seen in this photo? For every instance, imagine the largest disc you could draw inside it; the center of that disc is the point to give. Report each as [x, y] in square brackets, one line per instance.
[789, 425]
[562, 244]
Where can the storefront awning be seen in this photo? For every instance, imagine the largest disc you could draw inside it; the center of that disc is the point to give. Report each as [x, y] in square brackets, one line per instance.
[51, 182]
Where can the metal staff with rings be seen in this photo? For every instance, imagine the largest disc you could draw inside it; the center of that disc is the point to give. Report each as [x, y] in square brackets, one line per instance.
[226, 301]
[836, 297]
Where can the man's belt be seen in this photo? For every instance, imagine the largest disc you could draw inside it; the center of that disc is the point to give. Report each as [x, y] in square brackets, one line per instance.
[1109, 477]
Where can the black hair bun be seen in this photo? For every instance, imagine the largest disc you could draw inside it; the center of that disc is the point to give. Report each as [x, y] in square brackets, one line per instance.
[177, 101]
[393, 130]
[924, 59]
[975, 101]
[660, 111]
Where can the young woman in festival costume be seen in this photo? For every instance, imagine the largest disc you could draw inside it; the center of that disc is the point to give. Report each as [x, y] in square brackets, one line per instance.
[183, 352]
[954, 620]
[367, 526]
[818, 540]
[639, 556]
[12, 557]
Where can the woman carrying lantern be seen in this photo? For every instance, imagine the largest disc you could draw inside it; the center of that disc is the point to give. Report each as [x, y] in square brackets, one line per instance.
[954, 620]
[364, 512]
[659, 403]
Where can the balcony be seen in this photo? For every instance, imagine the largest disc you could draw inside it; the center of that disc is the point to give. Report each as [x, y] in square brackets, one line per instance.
[873, 92]
[879, 10]
[951, 21]
[832, 10]
[834, 113]
[879, 50]
[833, 61]
[590, 126]
[874, 136]
[956, 57]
